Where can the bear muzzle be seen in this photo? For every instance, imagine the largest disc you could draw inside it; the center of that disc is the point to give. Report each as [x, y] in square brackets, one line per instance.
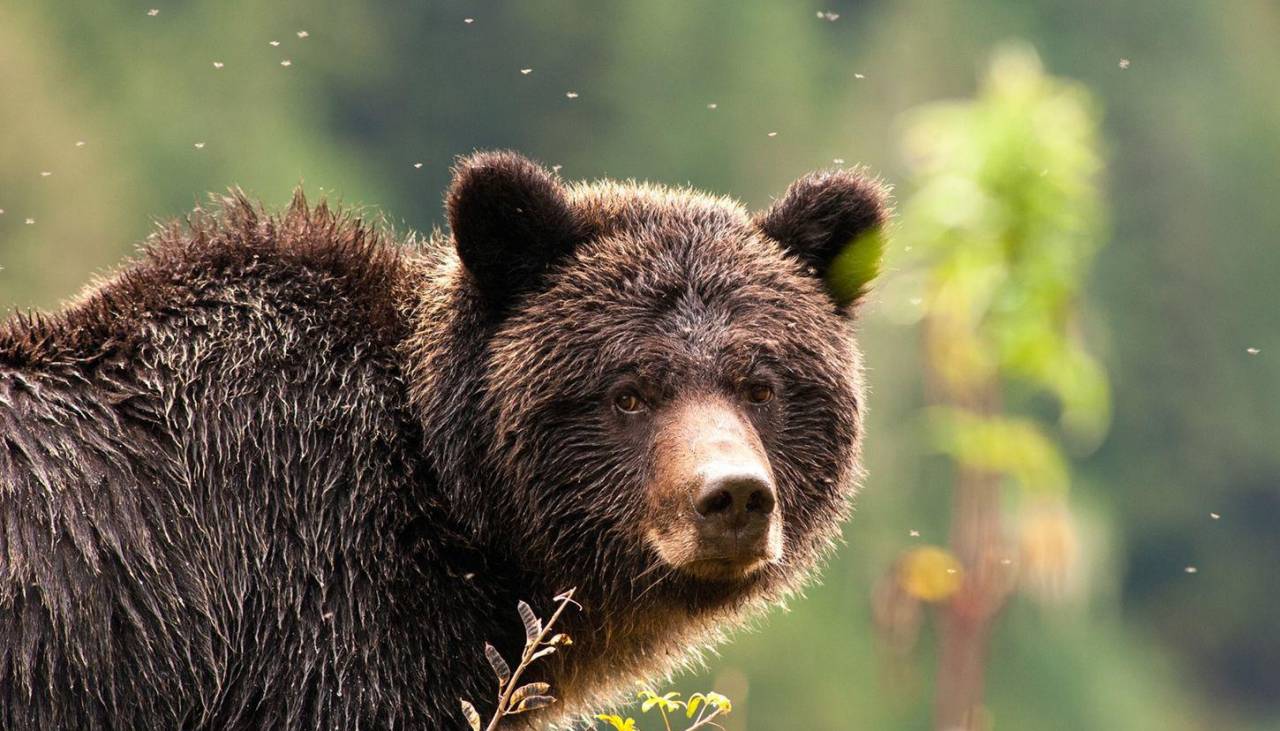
[715, 494]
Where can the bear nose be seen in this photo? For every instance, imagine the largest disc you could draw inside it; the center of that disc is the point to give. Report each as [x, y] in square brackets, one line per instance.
[738, 500]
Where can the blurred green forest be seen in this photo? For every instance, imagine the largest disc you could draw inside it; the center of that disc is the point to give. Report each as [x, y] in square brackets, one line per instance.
[114, 117]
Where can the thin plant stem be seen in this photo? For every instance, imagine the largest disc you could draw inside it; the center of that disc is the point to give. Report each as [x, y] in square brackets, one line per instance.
[526, 658]
[704, 722]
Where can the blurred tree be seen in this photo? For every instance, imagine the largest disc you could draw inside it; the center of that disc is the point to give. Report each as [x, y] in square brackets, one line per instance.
[1002, 221]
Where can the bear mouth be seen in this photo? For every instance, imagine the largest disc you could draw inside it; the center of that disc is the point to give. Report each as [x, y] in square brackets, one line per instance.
[726, 568]
[712, 558]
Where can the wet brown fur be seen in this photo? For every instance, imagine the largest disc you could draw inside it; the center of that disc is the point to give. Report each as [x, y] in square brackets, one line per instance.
[287, 472]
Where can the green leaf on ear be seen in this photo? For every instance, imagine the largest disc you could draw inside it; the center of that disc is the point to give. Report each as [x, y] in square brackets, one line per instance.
[855, 267]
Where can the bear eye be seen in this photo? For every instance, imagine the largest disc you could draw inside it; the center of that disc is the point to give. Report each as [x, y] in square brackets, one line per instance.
[628, 402]
[759, 393]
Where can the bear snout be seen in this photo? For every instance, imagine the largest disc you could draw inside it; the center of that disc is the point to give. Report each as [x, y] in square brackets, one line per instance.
[715, 497]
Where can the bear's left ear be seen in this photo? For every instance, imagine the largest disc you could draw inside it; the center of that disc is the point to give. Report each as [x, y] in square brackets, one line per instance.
[833, 221]
[511, 220]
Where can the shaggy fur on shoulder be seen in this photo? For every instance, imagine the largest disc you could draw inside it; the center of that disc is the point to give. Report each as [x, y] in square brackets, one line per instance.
[283, 472]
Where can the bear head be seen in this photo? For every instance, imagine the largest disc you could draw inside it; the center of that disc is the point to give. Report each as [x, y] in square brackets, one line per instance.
[648, 393]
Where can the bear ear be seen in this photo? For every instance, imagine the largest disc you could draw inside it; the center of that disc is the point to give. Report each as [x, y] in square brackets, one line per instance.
[510, 219]
[833, 221]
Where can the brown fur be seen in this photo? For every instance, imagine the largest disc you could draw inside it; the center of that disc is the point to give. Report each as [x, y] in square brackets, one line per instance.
[284, 473]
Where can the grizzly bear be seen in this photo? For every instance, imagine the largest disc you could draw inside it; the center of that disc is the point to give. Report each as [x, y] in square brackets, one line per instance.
[287, 472]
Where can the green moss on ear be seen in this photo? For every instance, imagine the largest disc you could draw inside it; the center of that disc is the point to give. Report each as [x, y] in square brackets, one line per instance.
[851, 272]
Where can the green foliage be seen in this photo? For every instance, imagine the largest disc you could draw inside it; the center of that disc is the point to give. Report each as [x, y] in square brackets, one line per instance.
[1003, 221]
[702, 709]
[1007, 445]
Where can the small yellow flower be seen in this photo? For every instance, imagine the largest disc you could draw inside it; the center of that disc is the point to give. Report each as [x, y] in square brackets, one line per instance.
[617, 722]
[667, 702]
[711, 699]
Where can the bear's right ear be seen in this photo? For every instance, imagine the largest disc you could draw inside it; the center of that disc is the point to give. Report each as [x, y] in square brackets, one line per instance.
[511, 220]
[834, 222]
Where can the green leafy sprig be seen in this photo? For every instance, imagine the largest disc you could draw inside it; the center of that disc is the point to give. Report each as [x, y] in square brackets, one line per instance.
[701, 708]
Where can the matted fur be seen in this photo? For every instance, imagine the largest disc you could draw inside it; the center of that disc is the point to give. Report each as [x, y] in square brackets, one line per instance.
[285, 472]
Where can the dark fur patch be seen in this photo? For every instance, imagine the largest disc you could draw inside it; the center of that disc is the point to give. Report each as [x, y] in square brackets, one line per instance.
[510, 222]
[184, 260]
